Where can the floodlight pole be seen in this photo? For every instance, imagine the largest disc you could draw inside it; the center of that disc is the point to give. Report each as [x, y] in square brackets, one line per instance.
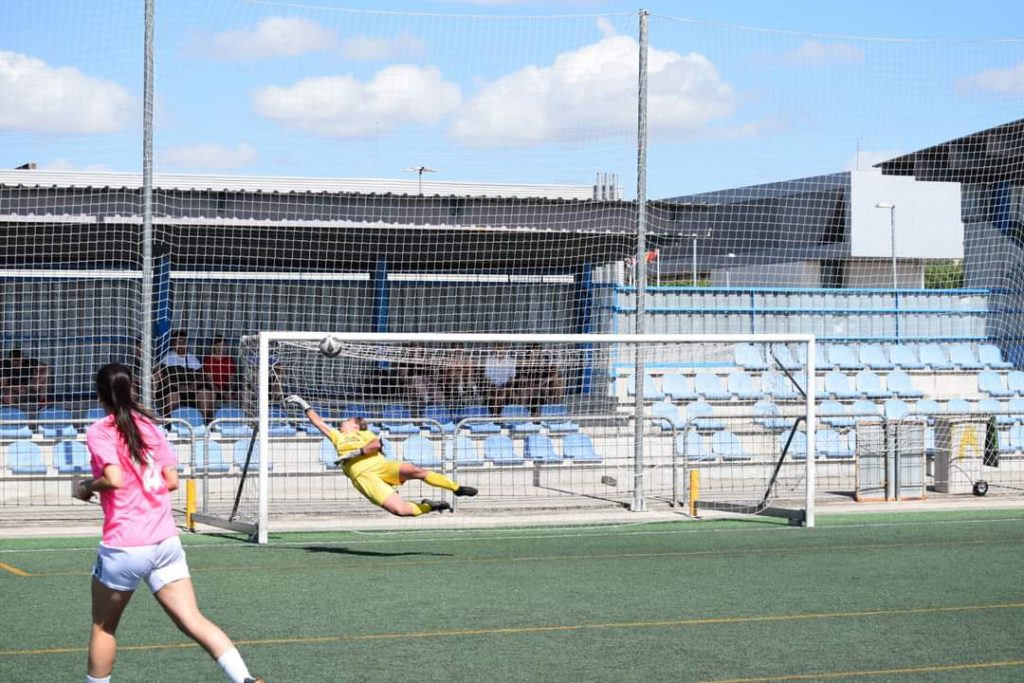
[146, 333]
[639, 504]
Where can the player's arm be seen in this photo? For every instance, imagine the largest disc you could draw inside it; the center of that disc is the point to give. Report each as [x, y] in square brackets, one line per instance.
[314, 418]
[171, 478]
[112, 478]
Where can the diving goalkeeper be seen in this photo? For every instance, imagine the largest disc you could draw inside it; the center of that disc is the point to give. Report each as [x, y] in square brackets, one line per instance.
[371, 473]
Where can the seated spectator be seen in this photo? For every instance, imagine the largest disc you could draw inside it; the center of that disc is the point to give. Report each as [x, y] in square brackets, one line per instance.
[180, 380]
[460, 378]
[540, 381]
[421, 379]
[219, 367]
[500, 373]
[23, 380]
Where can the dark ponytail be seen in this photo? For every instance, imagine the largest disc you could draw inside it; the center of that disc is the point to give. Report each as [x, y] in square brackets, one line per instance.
[114, 387]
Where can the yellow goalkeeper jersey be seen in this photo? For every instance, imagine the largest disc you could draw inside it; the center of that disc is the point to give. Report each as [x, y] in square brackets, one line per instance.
[345, 443]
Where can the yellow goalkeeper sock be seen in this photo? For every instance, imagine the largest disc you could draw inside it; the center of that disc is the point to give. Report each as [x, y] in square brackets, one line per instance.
[419, 508]
[440, 481]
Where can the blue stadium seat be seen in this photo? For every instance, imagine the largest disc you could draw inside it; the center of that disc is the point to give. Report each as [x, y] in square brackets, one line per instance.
[669, 416]
[694, 447]
[709, 387]
[63, 429]
[355, 410]
[989, 382]
[963, 356]
[232, 428]
[768, 415]
[25, 457]
[515, 426]
[904, 357]
[651, 390]
[71, 457]
[15, 423]
[727, 446]
[842, 357]
[1015, 409]
[500, 450]
[464, 452]
[442, 415]
[208, 456]
[873, 357]
[797, 447]
[1016, 440]
[900, 384]
[1015, 382]
[870, 385]
[778, 386]
[741, 385]
[993, 407]
[958, 406]
[328, 454]
[699, 414]
[551, 415]
[678, 387]
[992, 357]
[835, 413]
[278, 423]
[821, 358]
[420, 451]
[749, 357]
[895, 409]
[834, 444]
[239, 451]
[928, 408]
[865, 410]
[580, 448]
[539, 448]
[838, 385]
[192, 417]
[478, 412]
[934, 357]
[781, 355]
[95, 413]
[392, 412]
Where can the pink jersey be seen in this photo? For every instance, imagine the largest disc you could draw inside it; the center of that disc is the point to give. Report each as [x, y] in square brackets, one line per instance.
[138, 513]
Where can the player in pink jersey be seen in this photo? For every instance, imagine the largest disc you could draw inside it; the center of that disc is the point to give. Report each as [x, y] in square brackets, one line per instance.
[134, 470]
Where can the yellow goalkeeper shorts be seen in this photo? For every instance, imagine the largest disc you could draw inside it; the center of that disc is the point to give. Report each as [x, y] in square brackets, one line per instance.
[377, 480]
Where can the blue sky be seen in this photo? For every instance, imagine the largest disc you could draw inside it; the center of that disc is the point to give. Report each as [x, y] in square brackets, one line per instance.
[505, 91]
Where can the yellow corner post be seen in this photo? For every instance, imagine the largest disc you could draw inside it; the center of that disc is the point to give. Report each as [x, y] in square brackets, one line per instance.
[190, 503]
[694, 491]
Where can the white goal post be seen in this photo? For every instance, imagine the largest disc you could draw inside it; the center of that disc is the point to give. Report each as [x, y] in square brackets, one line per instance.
[629, 420]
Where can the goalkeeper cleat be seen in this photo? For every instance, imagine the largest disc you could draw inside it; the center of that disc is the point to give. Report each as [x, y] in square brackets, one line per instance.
[436, 505]
[465, 491]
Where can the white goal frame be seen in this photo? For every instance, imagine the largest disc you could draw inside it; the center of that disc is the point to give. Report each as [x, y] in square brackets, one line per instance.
[267, 338]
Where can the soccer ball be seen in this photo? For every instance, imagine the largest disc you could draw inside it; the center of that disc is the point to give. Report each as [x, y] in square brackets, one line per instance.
[330, 346]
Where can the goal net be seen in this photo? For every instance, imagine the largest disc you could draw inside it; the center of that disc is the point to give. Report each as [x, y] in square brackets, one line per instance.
[560, 425]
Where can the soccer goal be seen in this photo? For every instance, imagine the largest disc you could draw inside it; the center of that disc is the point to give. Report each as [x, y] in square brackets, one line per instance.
[541, 424]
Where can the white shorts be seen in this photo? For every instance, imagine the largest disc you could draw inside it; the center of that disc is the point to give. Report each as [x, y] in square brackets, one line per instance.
[121, 569]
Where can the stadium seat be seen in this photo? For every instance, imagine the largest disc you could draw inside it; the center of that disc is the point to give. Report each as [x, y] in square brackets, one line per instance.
[1016, 440]
[821, 358]
[499, 450]
[440, 414]
[842, 357]
[651, 390]
[61, 429]
[768, 415]
[958, 406]
[934, 357]
[864, 410]
[741, 385]
[727, 446]
[835, 413]
[355, 410]
[1007, 439]
[928, 408]
[1015, 409]
[1015, 382]
[989, 382]
[992, 357]
[328, 454]
[778, 386]
[963, 357]
[551, 413]
[900, 384]
[748, 357]
[904, 357]
[838, 385]
[420, 451]
[834, 444]
[190, 416]
[14, 423]
[694, 447]
[239, 451]
[993, 407]
[71, 457]
[516, 426]
[870, 385]
[873, 357]
[666, 416]
[95, 413]
[232, 426]
[699, 414]
[709, 387]
[480, 415]
[579, 448]
[209, 457]
[392, 412]
[797, 447]
[677, 387]
[464, 452]
[782, 356]
[539, 448]
[895, 409]
[279, 426]
[25, 457]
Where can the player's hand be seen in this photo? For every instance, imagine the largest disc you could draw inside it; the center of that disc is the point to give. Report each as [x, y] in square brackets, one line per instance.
[81, 491]
[297, 401]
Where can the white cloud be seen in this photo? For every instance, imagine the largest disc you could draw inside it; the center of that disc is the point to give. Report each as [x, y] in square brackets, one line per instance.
[37, 97]
[866, 159]
[272, 37]
[814, 53]
[366, 48]
[1008, 81]
[606, 27]
[210, 156]
[343, 106]
[591, 93]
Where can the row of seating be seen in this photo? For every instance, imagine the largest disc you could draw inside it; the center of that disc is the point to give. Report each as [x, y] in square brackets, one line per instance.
[726, 446]
[933, 356]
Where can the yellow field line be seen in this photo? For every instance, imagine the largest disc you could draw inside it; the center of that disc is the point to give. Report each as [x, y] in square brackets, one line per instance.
[875, 672]
[554, 628]
[13, 570]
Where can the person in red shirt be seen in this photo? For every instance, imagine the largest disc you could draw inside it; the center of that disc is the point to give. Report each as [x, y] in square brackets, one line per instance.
[219, 367]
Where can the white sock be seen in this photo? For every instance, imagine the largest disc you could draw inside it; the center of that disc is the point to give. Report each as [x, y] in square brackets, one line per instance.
[233, 666]
[93, 679]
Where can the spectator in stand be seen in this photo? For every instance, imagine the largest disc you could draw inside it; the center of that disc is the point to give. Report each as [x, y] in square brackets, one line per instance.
[500, 373]
[460, 378]
[220, 372]
[540, 380]
[180, 379]
[23, 380]
[420, 377]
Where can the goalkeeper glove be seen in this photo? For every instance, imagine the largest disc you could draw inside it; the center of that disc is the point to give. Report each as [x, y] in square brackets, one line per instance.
[298, 402]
